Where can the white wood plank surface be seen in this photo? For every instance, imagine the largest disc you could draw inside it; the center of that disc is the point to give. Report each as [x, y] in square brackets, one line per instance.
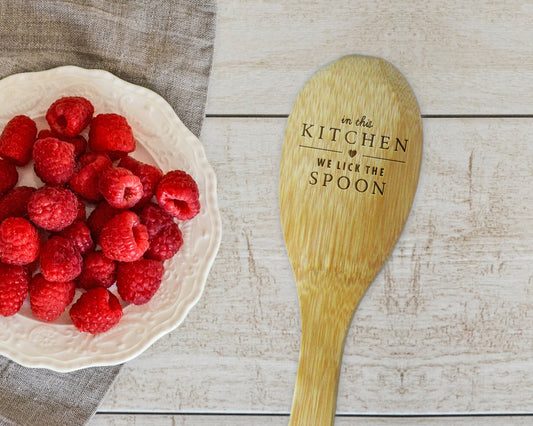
[445, 328]
[229, 420]
[460, 57]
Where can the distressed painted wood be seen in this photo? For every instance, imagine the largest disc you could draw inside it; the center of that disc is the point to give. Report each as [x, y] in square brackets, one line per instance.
[268, 420]
[349, 169]
[451, 334]
[460, 57]
[444, 328]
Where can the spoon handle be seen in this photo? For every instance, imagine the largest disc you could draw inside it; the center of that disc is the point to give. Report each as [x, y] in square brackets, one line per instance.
[324, 327]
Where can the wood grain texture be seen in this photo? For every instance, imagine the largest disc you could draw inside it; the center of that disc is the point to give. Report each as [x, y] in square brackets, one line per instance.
[266, 420]
[340, 224]
[460, 57]
[445, 327]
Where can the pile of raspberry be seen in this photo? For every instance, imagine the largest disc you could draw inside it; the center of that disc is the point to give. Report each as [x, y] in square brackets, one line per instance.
[48, 244]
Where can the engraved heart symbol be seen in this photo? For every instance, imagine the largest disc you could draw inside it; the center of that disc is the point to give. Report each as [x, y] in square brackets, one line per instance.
[352, 153]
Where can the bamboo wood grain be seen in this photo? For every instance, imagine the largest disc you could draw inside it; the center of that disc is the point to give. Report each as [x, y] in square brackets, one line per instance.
[349, 170]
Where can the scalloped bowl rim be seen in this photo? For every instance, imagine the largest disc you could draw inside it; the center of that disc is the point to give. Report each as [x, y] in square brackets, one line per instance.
[211, 235]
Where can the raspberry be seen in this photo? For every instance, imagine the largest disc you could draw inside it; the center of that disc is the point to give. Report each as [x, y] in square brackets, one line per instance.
[124, 238]
[138, 281]
[16, 141]
[165, 244]
[96, 311]
[19, 241]
[85, 181]
[98, 271]
[54, 160]
[15, 202]
[155, 219]
[177, 194]
[116, 155]
[80, 235]
[8, 176]
[60, 261]
[68, 116]
[91, 157]
[33, 266]
[99, 217]
[82, 214]
[149, 176]
[111, 133]
[46, 133]
[79, 142]
[120, 187]
[48, 300]
[165, 235]
[14, 282]
[53, 208]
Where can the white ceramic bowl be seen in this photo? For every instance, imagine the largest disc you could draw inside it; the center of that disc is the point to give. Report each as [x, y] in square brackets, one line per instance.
[162, 139]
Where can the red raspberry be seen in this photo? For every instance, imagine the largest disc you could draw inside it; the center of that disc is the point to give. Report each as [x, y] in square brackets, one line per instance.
[116, 155]
[68, 116]
[15, 202]
[54, 160]
[149, 176]
[48, 300]
[98, 271]
[120, 187]
[165, 244]
[111, 133]
[82, 214]
[46, 133]
[80, 235]
[91, 157]
[85, 181]
[138, 281]
[8, 176]
[60, 261]
[79, 142]
[14, 281]
[124, 238]
[165, 235]
[96, 311]
[16, 141]
[53, 208]
[155, 219]
[19, 241]
[35, 265]
[99, 217]
[177, 194]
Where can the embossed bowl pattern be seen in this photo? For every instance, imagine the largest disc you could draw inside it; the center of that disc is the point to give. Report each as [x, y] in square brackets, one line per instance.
[162, 139]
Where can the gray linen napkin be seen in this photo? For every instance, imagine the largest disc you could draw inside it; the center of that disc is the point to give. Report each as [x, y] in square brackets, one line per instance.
[166, 46]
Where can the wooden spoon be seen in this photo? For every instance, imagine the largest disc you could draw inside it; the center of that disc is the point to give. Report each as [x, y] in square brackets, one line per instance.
[349, 170]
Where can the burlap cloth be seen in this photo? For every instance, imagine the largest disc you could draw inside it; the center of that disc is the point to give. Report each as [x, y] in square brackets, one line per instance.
[166, 46]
